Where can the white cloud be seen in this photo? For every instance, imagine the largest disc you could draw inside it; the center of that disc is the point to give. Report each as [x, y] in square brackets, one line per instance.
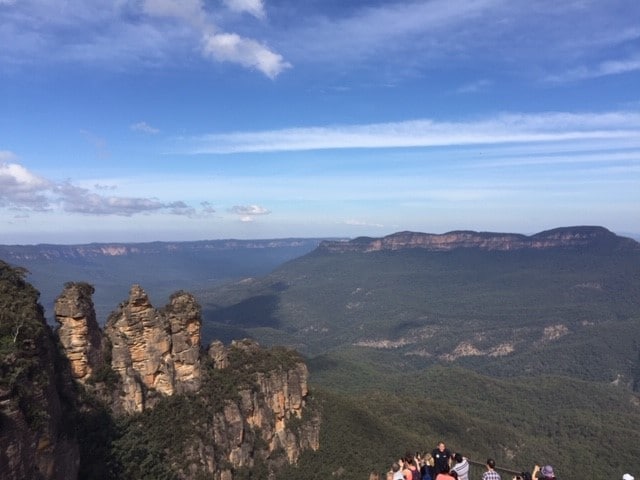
[144, 127]
[218, 45]
[21, 189]
[123, 33]
[248, 213]
[253, 7]
[603, 69]
[230, 47]
[504, 128]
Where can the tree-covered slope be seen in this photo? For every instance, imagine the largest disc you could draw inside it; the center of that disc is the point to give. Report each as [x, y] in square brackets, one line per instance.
[560, 310]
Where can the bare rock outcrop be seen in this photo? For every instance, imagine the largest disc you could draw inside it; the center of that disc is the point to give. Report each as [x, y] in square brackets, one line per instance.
[271, 406]
[78, 331]
[154, 352]
[249, 409]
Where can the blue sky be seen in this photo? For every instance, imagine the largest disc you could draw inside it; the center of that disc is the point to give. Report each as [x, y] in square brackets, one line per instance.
[140, 120]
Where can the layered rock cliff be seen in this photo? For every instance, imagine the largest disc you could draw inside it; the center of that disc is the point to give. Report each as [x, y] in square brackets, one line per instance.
[79, 332]
[275, 396]
[244, 405]
[155, 352]
[569, 237]
[35, 442]
[182, 412]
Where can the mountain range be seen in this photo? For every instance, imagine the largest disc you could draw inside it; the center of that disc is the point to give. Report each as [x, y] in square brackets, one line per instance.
[523, 348]
[162, 267]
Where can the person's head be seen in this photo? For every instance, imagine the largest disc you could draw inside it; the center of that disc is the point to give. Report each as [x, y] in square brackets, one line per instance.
[491, 463]
[454, 474]
[547, 471]
[408, 458]
[441, 446]
[458, 457]
[395, 466]
[374, 476]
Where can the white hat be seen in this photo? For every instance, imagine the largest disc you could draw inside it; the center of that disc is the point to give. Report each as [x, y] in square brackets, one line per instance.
[627, 476]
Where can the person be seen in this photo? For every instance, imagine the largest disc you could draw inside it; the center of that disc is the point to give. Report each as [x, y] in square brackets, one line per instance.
[397, 471]
[461, 467]
[410, 471]
[546, 472]
[374, 476]
[445, 475]
[491, 473]
[441, 458]
[426, 469]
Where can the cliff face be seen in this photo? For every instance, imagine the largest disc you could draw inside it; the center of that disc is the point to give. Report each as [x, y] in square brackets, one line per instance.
[79, 332]
[275, 399]
[244, 409]
[17, 253]
[248, 402]
[34, 442]
[570, 237]
[154, 352]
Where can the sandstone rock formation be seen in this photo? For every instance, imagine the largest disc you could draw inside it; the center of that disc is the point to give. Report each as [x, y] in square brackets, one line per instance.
[144, 355]
[280, 396]
[154, 352]
[79, 332]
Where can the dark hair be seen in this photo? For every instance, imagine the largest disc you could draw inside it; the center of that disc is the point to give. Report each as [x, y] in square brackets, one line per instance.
[458, 457]
[453, 473]
[491, 463]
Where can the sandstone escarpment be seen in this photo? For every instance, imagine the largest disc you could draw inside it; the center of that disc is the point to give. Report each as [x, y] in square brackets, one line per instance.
[154, 352]
[267, 420]
[569, 237]
[280, 396]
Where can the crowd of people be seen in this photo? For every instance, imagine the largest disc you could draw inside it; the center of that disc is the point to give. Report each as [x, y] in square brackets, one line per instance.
[443, 464]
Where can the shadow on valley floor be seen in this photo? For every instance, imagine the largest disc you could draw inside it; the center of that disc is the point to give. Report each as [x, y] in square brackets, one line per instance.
[227, 323]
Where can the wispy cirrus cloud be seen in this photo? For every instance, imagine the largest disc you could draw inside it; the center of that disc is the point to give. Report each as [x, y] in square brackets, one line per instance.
[119, 34]
[474, 87]
[144, 127]
[602, 69]
[253, 7]
[504, 128]
[405, 38]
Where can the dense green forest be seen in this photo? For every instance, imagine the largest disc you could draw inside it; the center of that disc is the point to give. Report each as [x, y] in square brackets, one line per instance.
[553, 336]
